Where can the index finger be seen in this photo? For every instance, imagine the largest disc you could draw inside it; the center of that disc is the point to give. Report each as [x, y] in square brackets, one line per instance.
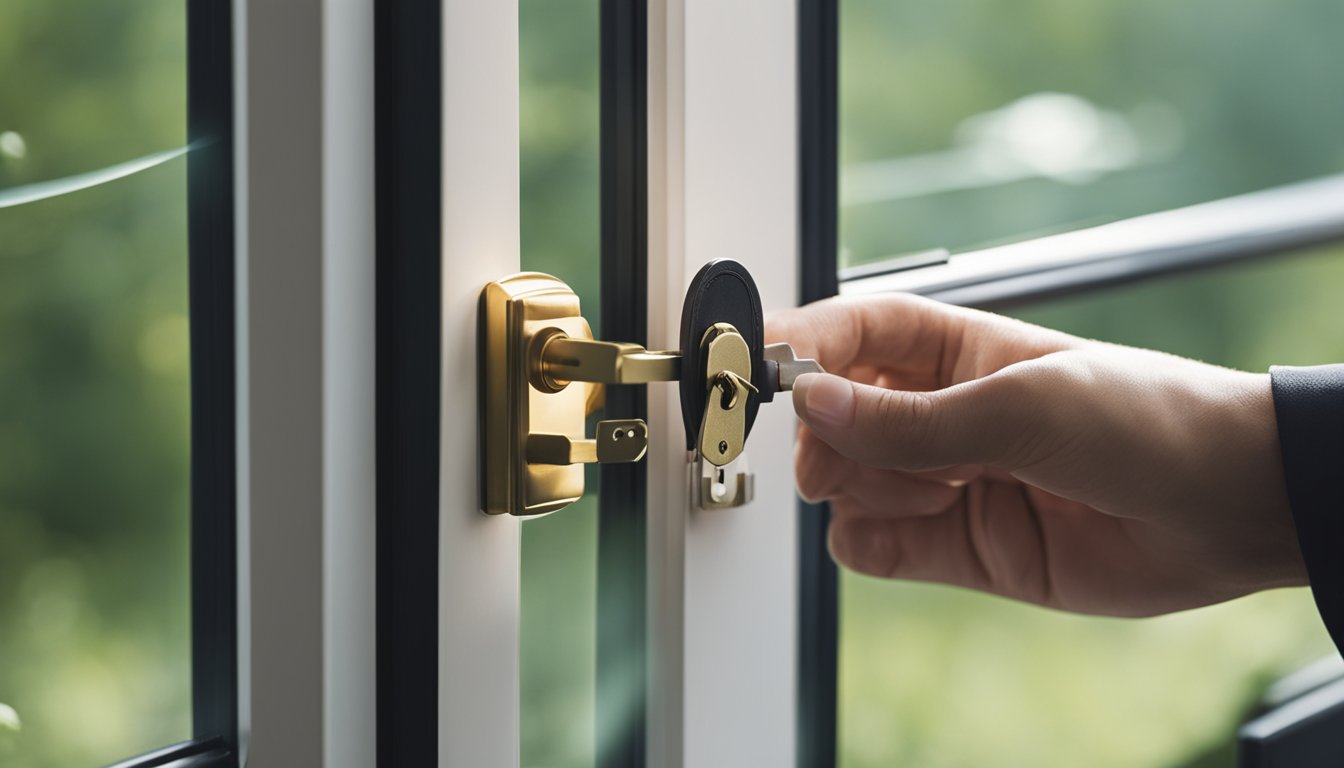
[926, 343]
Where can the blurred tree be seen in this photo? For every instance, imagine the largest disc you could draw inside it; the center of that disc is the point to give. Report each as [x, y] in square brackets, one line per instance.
[94, 385]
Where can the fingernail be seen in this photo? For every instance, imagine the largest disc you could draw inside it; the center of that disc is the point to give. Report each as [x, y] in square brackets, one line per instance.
[828, 399]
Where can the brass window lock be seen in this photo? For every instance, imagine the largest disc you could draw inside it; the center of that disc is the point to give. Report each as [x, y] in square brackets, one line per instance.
[541, 374]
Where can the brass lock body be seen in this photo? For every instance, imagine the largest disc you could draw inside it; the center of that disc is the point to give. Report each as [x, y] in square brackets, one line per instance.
[541, 374]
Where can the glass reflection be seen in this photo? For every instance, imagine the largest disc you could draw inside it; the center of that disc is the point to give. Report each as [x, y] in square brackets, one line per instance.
[559, 111]
[94, 382]
[970, 123]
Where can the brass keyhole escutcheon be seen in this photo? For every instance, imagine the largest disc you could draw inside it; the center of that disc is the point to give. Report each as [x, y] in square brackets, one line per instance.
[723, 430]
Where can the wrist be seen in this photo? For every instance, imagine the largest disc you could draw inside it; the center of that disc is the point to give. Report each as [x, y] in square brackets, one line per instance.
[1268, 507]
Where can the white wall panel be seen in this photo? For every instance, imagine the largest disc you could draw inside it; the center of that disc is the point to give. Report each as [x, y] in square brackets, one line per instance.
[723, 155]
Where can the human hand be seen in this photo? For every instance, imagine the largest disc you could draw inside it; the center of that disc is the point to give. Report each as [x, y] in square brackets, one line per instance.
[977, 450]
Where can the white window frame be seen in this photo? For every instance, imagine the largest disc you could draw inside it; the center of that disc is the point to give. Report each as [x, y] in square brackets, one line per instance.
[303, 118]
[723, 184]
[479, 556]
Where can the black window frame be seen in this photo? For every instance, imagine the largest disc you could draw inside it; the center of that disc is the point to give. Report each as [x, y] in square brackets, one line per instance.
[408, 96]
[818, 278]
[622, 504]
[213, 537]
[1202, 244]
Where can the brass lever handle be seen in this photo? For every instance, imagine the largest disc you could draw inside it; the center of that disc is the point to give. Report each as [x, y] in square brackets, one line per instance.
[558, 359]
[618, 441]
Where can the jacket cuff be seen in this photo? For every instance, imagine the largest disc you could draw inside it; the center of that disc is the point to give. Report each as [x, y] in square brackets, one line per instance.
[1309, 406]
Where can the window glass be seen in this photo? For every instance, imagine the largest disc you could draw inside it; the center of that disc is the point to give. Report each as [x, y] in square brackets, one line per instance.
[94, 382]
[559, 115]
[966, 123]
[937, 676]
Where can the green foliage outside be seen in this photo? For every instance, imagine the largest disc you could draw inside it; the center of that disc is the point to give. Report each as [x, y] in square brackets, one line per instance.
[1100, 109]
[94, 389]
[558, 131]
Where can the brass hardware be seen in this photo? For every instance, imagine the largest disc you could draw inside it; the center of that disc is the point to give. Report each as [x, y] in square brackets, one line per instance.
[540, 375]
[618, 441]
[561, 359]
[731, 485]
[723, 430]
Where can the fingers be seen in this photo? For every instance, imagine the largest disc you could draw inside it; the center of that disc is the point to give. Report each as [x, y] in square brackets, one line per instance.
[824, 475]
[928, 548]
[844, 333]
[884, 493]
[811, 451]
[992, 545]
[1004, 420]
[924, 343]
[1000, 538]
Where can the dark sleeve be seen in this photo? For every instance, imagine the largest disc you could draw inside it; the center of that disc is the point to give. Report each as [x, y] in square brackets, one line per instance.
[1309, 405]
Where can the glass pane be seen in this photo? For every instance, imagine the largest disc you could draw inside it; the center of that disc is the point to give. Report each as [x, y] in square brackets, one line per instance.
[559, 117]
[937, 676]
[965, 123]
[94, 383]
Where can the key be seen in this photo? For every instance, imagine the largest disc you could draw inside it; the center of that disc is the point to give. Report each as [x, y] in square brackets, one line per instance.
[780, 367]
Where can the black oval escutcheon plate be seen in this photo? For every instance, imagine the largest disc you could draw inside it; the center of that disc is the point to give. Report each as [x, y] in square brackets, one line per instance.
[721, 292]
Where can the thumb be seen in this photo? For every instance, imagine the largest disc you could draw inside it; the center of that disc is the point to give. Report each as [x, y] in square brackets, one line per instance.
[985, 421]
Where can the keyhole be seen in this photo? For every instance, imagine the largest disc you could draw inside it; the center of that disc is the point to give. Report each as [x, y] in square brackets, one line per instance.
[723, 447]
[726, 384]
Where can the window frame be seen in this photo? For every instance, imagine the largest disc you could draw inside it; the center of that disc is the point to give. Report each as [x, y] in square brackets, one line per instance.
[818, 278]
[1254, 226]
[214, 573]
[1251, 226]
[467, 229]
[1301, 729]
[408, 283]
[722, 184]
[622, 504]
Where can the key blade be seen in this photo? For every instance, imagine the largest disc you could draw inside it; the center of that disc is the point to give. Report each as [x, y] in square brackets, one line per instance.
[790, 367]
